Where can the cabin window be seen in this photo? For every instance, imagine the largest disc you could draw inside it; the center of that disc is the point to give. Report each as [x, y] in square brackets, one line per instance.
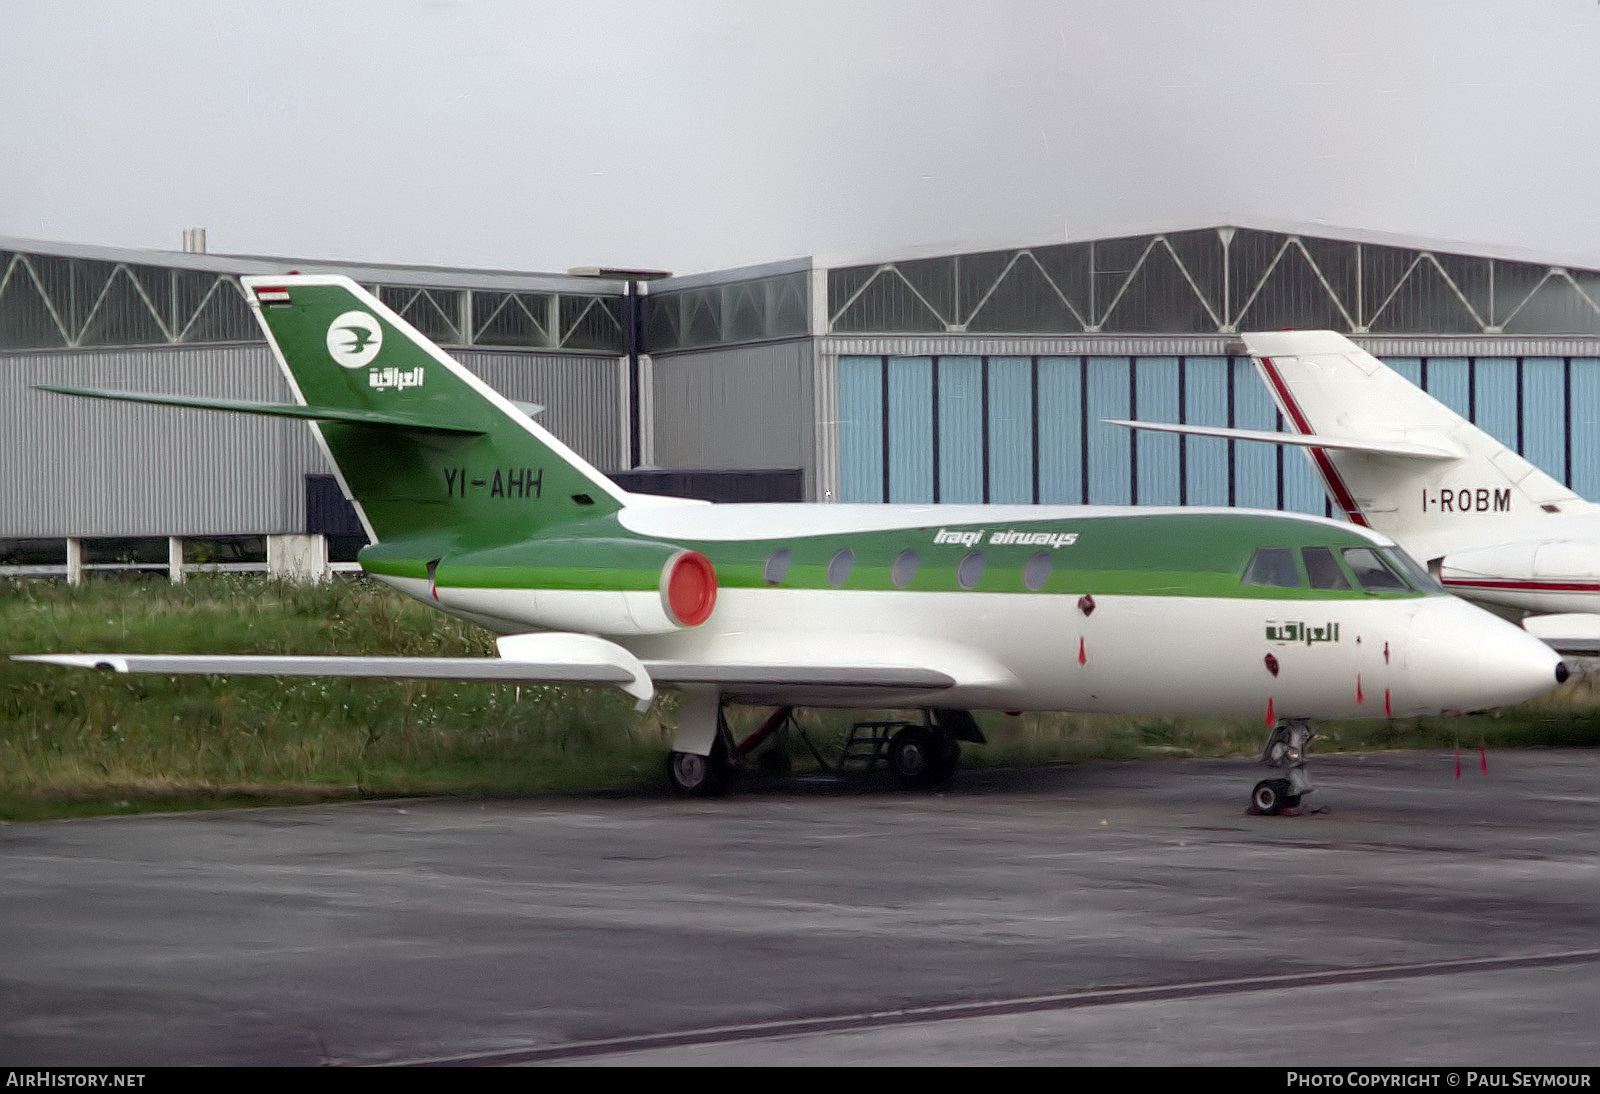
[1323, 568]
[904, 568]
[1272, 567]
[840, 565]
[969, 569]
[1036, 571]
[1374, 574]
[777, 567]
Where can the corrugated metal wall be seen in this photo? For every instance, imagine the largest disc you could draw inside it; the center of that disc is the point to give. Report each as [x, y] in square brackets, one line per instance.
[902, 418]
[87, 467]
[745, 408]
[585, 397]
[93, 468]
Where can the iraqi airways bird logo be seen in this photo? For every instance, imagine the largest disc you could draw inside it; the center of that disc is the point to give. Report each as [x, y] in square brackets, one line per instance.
[354, 339]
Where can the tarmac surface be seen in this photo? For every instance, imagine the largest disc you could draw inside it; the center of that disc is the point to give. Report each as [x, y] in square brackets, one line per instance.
[1089, 914]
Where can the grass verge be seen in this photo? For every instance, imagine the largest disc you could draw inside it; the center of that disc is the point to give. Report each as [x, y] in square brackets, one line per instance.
[76, 743]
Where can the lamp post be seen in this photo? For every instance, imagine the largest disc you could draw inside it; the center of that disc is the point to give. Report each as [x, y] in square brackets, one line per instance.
[632, 334]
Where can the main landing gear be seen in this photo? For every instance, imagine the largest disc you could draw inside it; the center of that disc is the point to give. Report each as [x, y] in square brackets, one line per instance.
[711, 775]
[696, 776]
[919, 755]
[1286, 748]
[927, 755]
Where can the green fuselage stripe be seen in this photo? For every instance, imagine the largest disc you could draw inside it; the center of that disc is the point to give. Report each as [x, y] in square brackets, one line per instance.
[1168, 554]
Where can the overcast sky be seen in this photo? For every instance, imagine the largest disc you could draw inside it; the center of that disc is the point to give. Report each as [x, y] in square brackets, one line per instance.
[700, 134]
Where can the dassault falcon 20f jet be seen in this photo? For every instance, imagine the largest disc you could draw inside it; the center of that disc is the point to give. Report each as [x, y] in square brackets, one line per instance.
[475, 509]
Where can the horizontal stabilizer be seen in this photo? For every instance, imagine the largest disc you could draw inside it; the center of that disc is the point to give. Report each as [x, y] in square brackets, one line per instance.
[1406, 449]
[278, 410]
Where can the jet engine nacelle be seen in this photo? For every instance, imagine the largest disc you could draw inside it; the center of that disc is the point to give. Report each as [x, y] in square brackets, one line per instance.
[1558, 575]
[614, 587]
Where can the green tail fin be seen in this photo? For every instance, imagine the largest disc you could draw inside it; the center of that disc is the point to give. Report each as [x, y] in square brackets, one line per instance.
[472, 469]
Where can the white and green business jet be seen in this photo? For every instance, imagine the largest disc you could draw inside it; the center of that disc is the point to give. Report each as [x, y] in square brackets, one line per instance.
[475, 509]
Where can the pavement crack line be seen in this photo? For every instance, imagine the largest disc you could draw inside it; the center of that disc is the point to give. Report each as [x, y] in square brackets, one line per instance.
[1092, 997]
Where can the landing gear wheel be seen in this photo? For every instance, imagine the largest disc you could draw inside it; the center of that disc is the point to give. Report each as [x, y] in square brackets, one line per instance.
[945, 768]
[696, 776]
[688, 773]
[774, 761]
[919, 757]
[1273, 796]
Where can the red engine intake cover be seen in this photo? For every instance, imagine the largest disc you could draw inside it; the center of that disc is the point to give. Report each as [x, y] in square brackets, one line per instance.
[691, 587]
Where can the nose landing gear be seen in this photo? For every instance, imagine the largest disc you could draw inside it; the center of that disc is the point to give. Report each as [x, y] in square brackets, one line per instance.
[1286, 749]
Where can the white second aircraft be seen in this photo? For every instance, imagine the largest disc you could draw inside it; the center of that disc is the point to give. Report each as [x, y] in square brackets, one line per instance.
[1490, 525]
[477, 510]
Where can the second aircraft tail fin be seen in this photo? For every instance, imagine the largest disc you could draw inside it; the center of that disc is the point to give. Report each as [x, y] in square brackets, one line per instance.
[1455, 476]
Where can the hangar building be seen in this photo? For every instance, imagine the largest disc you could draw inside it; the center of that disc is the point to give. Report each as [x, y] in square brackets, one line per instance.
[978, 376]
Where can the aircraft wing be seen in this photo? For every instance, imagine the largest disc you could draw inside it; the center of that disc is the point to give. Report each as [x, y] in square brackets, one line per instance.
[677, 673]
[1571, 634]
[1408, 449]
[1574, 647]
[808, 684]
[552, 658]
[492, 669]
[499, 669]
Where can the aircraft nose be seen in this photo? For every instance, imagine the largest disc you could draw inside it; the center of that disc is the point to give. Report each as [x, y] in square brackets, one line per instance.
[1463, 658]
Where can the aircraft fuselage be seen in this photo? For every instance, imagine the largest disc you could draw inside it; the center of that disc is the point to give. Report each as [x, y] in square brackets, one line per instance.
[1085, 609]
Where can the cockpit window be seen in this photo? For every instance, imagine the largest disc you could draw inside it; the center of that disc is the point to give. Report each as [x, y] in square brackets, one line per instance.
[1411, 570]
[1272, 567]
[1323, 569]
[1373, 571]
